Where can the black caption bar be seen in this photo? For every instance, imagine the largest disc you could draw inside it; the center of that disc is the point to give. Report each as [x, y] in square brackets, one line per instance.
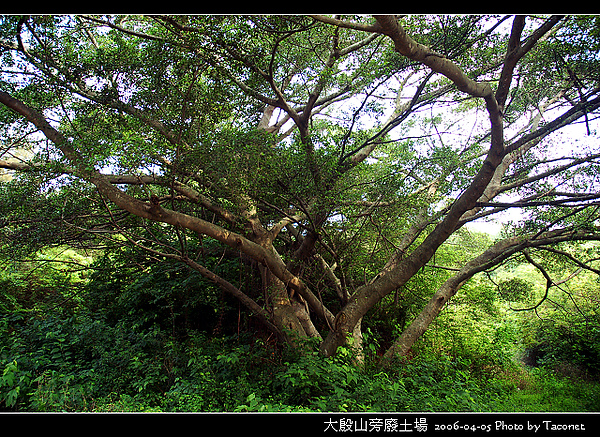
[462, 423]
[310, 424]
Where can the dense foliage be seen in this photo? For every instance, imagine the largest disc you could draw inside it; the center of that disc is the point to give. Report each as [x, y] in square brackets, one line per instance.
[92, 333]
[227, 213]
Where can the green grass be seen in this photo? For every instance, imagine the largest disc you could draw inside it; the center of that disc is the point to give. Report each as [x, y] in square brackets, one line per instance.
[542, 390]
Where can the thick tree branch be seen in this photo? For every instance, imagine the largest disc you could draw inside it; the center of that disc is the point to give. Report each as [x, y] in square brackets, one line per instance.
[347, 24]
[490, 258]
[516, 51]
[367, 296]
[155, 212]
[225, 285]
[407, 46]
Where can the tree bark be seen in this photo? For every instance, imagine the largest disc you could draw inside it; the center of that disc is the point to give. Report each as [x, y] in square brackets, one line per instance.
[415, 330]
[283, 310]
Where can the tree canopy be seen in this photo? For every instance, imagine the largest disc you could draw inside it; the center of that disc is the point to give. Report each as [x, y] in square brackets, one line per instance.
[333, 156]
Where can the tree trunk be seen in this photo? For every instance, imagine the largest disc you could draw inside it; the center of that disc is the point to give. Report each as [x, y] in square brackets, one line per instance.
[420, 324]
[492, 256]
[284, 309]
[357, 343]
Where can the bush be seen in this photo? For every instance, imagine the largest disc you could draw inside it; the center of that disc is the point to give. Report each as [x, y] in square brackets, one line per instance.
[55, 363]
[117, 348]
[577, 343]
[14, 383]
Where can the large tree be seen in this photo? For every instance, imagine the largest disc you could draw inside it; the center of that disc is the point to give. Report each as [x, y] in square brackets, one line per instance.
[338, 154]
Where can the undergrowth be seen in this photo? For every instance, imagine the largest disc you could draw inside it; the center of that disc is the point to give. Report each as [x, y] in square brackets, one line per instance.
[79, 370]
[118, 349]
